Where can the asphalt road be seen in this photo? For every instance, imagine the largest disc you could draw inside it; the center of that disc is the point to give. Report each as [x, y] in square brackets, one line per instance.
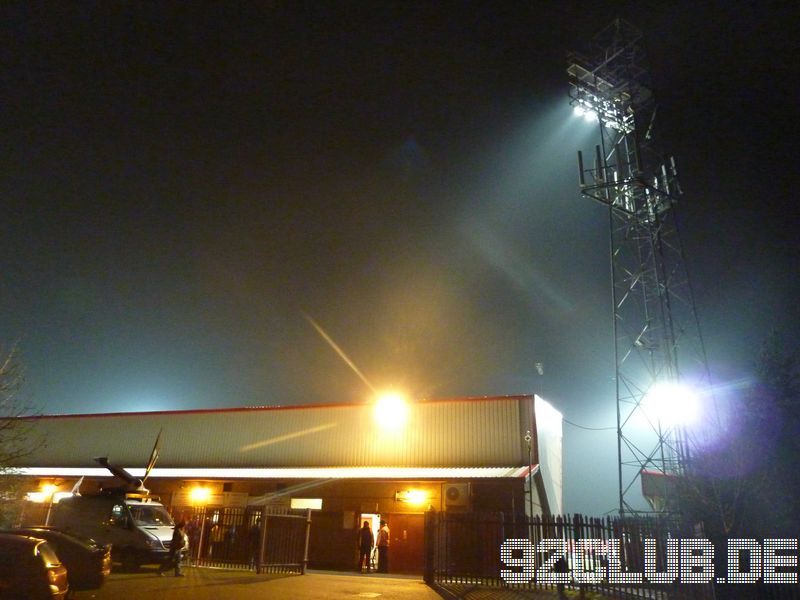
[214, 584]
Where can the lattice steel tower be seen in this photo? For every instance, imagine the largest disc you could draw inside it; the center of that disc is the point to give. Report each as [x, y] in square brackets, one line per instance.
[656, 333]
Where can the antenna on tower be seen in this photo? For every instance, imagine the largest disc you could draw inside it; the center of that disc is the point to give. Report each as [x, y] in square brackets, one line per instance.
[657, 339]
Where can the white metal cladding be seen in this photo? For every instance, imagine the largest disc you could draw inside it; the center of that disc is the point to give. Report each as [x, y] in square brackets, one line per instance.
[482, 432]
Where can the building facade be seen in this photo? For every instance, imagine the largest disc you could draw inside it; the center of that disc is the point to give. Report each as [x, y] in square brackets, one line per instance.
[351, 462]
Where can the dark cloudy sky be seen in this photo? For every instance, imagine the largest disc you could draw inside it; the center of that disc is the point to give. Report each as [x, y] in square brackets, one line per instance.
[181, 182]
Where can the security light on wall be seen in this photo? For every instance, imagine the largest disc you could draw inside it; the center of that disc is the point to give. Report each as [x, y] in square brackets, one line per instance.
[411, 496]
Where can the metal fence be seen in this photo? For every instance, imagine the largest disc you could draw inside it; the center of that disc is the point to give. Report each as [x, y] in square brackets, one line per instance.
[262, 538]
[463, 551]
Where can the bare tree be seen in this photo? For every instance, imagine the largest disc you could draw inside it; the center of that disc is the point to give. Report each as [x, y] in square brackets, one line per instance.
[747, 483]
[16, 439]
[725, 485]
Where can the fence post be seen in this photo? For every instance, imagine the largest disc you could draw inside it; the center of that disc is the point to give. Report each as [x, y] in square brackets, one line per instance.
[202, 536]
[308, 537]
[577, 534]
[429, 537]
[263, 542]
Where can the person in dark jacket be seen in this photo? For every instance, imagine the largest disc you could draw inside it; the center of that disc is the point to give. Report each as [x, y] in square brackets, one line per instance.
[179, 544]
[365, 543]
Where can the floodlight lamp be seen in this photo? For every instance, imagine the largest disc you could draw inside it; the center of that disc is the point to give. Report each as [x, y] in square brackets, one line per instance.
[578, 110]
[391, 410]
[672, 404]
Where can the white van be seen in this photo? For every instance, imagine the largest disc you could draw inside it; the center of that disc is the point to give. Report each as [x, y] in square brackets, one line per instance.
[137, 525]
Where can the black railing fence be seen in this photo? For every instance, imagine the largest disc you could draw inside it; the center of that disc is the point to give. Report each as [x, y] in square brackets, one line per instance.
[263, 538]
[616, 557]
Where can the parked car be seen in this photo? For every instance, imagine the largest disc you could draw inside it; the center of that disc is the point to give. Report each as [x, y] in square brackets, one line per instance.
[87, 562]
[30, 569]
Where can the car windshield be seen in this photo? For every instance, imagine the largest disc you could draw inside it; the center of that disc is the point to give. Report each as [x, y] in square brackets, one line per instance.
[151, 515]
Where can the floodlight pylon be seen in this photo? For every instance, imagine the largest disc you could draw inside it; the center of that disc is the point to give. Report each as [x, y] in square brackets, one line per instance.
[657, 336]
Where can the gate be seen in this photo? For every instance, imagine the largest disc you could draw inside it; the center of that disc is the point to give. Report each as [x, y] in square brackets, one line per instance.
[263, 538]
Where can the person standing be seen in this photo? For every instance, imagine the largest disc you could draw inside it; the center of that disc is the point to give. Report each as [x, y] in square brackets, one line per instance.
[383, 548]
[193, 533]
[254, 543]
[179, 543]
[365, 543]
[217, 546]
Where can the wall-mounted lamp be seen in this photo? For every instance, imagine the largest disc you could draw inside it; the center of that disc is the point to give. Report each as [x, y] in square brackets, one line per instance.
[411, 496]
[199, 495]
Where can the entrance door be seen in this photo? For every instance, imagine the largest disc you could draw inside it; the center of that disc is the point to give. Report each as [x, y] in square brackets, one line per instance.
[374, 524]
[406, 550]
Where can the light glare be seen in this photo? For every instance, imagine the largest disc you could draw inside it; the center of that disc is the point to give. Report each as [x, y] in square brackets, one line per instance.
[671, 404]
[199, 495]
[416, 496]
[391, 410]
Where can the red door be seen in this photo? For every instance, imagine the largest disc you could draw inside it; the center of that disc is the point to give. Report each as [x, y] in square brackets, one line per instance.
[406, 549]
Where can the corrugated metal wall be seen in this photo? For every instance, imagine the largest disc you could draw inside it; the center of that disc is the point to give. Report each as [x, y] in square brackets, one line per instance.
[453, 433]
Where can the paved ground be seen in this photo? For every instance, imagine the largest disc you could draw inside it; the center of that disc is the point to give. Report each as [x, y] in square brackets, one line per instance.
[476, 592]
[215, 584]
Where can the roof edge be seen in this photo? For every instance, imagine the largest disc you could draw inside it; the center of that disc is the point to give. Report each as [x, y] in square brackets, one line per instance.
[261, 408]
[293, 473]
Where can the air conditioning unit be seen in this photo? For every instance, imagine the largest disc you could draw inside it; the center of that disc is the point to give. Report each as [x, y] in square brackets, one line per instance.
[455, 495]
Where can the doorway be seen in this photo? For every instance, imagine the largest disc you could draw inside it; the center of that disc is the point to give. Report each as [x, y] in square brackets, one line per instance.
[374, 524]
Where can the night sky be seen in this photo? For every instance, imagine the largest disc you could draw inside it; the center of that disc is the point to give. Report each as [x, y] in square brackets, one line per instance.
[183, 182]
